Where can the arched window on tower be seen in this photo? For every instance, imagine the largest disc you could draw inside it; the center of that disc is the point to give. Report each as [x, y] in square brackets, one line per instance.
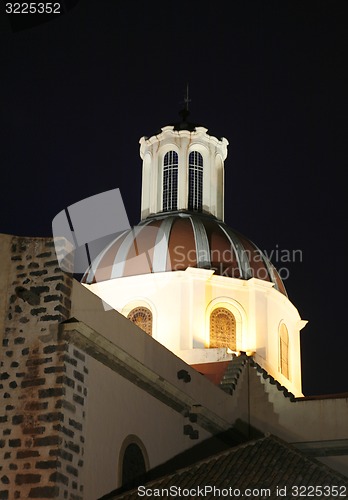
[170, 181]
[195, 195]
[284, 350]
[222, 329]
[142, 317]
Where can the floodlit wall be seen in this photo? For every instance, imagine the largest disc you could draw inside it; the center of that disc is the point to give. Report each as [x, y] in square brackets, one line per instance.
[182, 301]
[320, 422]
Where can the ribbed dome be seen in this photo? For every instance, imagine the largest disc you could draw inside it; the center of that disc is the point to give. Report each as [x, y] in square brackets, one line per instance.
[177, 240]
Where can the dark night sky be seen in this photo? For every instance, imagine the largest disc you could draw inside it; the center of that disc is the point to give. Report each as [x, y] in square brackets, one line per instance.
[77, 93]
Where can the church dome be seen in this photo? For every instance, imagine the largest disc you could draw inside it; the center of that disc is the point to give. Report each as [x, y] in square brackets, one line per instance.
[174, 241]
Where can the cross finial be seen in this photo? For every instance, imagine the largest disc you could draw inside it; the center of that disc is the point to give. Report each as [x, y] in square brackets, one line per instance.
[186, 98]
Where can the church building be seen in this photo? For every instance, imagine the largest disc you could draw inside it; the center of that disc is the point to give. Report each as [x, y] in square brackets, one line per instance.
[200, 288]
[175, 362]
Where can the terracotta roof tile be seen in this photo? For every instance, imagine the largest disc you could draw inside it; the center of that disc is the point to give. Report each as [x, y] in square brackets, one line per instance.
[265, 463]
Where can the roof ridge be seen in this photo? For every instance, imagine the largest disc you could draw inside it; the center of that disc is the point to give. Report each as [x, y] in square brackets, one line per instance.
[232, 374]
[272, 380]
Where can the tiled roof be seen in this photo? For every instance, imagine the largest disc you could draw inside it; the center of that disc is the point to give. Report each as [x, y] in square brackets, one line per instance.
[268, 463]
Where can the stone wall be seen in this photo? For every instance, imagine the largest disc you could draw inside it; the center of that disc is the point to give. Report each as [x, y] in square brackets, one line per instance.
[42, 379]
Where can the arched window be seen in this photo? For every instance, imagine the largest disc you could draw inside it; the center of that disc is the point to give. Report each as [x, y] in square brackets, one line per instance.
[284, 350]
[142, 317]
[170, 181]
[195, 181]
[133, 464]
[222, 329]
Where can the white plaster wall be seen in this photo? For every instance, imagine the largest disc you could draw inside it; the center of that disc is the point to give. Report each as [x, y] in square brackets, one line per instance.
[307, 419]
[86, 307]
[319, 419]
[303, 420]
[115, 409]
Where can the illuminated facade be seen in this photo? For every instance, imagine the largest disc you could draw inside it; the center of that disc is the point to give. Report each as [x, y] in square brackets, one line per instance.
[184, 266]
[102, 381]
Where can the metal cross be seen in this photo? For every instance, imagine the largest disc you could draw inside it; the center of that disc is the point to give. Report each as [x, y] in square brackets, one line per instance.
[186, 98]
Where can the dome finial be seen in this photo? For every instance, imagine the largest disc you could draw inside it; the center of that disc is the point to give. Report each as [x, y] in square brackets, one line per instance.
[185, 111]
[186, 98]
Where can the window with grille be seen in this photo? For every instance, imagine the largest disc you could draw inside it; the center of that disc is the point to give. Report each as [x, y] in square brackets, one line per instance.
[170, 181]
[284, 350]
[195, 194]
[222, 329]
[142, 317]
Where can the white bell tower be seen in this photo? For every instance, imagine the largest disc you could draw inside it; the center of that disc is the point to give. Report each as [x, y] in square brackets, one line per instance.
[183, 169]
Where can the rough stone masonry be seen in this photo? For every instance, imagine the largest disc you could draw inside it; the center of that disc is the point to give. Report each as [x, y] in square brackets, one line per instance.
[42, 378]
